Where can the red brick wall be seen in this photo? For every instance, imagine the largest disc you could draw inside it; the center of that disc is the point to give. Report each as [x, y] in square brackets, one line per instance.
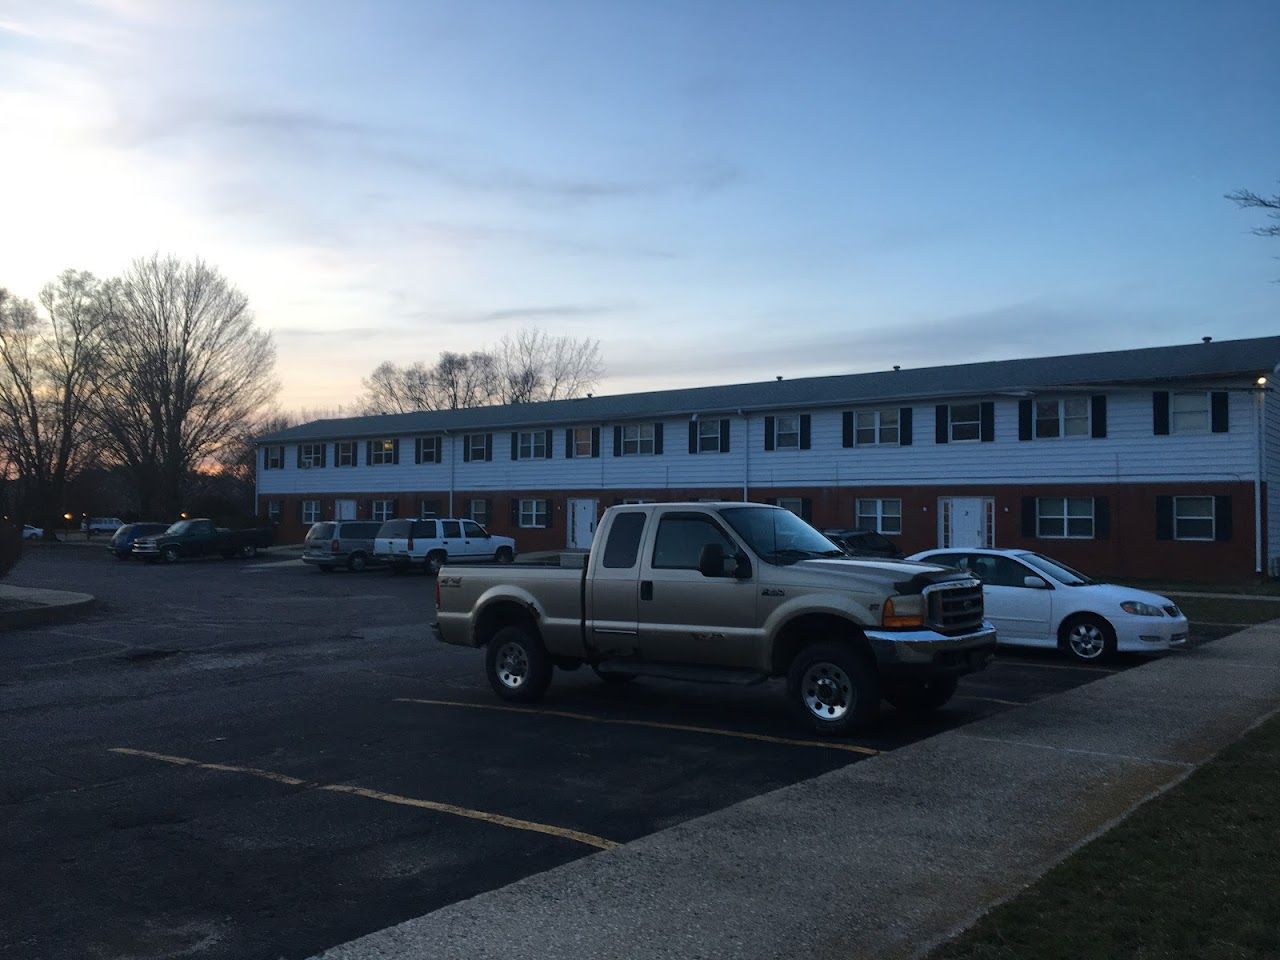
[1131, 549]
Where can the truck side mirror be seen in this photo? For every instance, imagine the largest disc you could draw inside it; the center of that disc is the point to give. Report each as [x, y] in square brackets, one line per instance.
[711, 560]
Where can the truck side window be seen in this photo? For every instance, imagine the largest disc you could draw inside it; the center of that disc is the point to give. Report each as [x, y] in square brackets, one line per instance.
[450, 529]
[681, 539]
[623, 547]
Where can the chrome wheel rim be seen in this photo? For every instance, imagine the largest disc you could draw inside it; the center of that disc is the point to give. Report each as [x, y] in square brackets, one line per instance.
[827, 691]
[1087, 641]
[511, 665]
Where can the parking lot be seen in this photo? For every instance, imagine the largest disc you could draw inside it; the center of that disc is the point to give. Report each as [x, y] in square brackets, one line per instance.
[249, 759]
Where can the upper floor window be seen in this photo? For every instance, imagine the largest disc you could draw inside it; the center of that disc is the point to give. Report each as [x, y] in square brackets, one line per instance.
[584, 442]
[426, 450]
[966, 422]
[712, 436]
[344, 453]
[1065, 517]
[1189, 411]
[877, 426]
[383, 451]
[638, 439]
[786, 432]
[477, 446]
[310, 455]
[273, 458]
[533, 445]
[880, 515]
[1068, 417]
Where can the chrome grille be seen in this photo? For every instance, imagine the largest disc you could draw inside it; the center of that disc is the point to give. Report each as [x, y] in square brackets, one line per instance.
[955, 606]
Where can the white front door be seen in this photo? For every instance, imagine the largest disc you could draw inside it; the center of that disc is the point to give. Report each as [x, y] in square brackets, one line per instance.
[962, 522]
[582, 523]
[344, 509]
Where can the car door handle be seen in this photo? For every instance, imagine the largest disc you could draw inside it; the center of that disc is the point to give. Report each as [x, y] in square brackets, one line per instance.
[646, 589]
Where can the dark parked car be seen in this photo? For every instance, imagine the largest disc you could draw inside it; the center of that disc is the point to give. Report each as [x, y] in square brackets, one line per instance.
[341, 543]
[864, 543]
[121, 542]
[200, 538]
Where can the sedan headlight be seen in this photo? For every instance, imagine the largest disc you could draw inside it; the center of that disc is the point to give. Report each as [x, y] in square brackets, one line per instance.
[1140, 609]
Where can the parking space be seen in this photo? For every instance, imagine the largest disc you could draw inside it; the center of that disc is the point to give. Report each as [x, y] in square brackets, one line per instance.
[253, 760]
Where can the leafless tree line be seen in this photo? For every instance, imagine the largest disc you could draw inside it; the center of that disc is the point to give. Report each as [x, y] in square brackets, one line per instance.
[524, 367]
[154, 372]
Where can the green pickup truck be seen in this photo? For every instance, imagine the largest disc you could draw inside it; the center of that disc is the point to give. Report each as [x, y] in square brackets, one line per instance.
[200, 538]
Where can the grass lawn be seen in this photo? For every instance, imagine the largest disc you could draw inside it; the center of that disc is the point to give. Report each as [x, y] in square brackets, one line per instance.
[1192, 875]
[1261, 588]
[1214, 610]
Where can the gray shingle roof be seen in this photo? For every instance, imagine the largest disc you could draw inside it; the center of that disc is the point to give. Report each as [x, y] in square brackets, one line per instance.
[1226, 358]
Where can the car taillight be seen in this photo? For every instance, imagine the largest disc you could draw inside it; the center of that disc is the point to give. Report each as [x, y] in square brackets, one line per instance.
[903, 611]
[333, 546]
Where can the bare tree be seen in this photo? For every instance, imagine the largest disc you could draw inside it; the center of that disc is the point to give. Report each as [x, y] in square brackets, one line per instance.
[535, 366]
[186, 368]
[1247, 199]
[456, 381]
[50, 375]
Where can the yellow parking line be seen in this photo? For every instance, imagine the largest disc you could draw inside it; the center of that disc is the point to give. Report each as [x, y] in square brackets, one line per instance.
[1007, 703]
[686, 728]
[1006, 661]
[482, 815]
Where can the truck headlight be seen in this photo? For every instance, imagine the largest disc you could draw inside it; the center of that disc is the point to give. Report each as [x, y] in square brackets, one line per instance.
[903, 611]
[1140, 609]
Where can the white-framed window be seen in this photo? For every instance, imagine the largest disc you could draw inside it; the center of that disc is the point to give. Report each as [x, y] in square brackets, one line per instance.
[382, 451]
[786, 432]
[709, 436]
[273, 458]
[793, 504]
[532, 445]
[310, 511]
[1189, 413]
[478, 510]
[583, 444]
[274, 509]
[426, 449]
[428, 509]
[880, 515]
[383, 510]
[1065, 518]
[637, 439]
[533, 513]
[876, 426]
[477, 446]
[344, 453]
[1193, 518]
[310, 455]
[966, 422]
[1067, 417]
[634, 500]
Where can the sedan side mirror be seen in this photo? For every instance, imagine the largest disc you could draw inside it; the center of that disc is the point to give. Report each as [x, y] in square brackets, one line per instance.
[1035, 583]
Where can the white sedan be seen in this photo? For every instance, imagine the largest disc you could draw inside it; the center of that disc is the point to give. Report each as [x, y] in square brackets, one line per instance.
[1034, 601]
[31, 533]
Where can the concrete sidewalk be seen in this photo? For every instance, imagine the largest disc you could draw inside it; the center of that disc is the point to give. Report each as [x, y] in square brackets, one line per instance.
[883, 858]
[29, 606]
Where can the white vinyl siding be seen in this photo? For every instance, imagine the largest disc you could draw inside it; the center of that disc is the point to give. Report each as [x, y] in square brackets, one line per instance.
[1068, 417]
[876, 427]
[384, 510]
[533, 514]
[882, 515]
[1193, 518]
[1065, 518]
[1189, 411]
[310, 511]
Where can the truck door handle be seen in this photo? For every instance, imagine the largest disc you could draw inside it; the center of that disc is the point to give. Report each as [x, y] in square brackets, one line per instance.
[646, 589]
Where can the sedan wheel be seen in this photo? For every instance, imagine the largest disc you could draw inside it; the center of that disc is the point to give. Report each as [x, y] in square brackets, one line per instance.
[1088, 638]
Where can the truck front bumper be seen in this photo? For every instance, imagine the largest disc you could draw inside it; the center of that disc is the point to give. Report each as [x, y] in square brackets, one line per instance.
[928, 653]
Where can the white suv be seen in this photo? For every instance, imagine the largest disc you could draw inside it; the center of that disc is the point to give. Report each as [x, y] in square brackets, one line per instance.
[429, 543]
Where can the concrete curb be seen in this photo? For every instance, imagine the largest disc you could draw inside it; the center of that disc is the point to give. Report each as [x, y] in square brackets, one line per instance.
[885, 857]
[49, 606]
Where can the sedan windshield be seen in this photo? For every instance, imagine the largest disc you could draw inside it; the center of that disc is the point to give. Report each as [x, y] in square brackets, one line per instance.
[1063, 574]
[778, 536]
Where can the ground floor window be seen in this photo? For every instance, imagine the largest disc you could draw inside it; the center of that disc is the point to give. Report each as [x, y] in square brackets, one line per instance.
[1193, 518]
[273, 510]
[533, 513]
[383, 510]
[635, 500]
[880, 515]
[310, 511]
[478, 510]
[794, 504]
[1065, 518]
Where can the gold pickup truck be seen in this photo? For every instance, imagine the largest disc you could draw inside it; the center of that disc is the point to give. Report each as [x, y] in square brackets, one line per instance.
[728, 593]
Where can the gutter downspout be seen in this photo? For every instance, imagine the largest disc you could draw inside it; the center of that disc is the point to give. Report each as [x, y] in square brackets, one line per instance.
[746, 457]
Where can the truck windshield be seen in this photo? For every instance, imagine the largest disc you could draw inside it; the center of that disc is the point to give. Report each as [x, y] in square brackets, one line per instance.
[778, 536]
[179, 528]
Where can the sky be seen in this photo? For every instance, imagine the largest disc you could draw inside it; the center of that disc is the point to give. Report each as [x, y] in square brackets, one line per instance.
[716, 191]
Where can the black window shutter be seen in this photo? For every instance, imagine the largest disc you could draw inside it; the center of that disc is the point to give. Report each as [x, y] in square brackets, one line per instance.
[324, 454]
[724, 435]
[846, 428]
[440, 450]
[768, 433]
[298, 450]
[804, 431]
[368, 452]
[1024, 419]
[941, 423]
[466, 448]
[1101, 518]
[300, 502]
[550, 439]
[693, 436]
[1164, 515]
[515, 445]
[806, 509]
[266, 458]
[1160, 413]
[1028, 518]
[395, 450]
[488, 447]
[1098, 416]
[617, 441]
[515, 512]
[904, 426]
[987, 426]
[568, 443]
[1222, 518]
[595, 441]
[1218, 411]
[657, 439]
[368, 509]
[551, 513]
[395, 507]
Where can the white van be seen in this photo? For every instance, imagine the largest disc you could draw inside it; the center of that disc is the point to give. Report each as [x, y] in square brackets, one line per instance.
[429, 543]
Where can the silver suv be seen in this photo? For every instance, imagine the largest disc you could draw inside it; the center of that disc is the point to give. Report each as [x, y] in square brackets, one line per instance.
[341, 543]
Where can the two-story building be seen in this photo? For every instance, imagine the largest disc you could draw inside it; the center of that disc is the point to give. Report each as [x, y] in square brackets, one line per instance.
[1156, 462]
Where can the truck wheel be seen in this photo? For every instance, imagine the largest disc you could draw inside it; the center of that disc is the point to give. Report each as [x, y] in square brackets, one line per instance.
[357, 562]
[169, 554]
[921, 696]
[504, 555]
[1087, 638]
[518, 666]
[833, 688]
[248, 551]
[434, 562]
[613, 679]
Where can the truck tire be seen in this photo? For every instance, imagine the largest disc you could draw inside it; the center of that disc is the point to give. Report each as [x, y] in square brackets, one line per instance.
[834, 688]
[435, 560]
[504, 555]
[919, 697]
[1087, 638]
[169, 554]
[517, 665]
[248, 551]
[357, 562]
